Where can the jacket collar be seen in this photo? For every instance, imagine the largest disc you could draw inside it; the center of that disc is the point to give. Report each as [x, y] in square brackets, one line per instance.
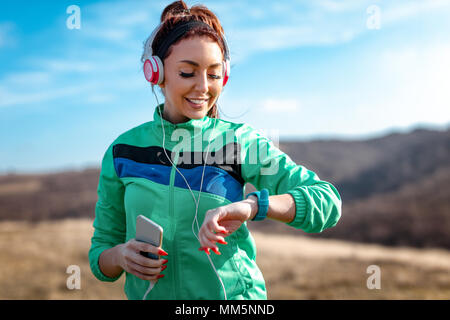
[194, 126]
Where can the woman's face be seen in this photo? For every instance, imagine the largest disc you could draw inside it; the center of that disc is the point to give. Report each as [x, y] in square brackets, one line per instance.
[192, 79]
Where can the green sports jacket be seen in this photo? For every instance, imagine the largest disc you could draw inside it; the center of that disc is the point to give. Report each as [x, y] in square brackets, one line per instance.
[137, 178]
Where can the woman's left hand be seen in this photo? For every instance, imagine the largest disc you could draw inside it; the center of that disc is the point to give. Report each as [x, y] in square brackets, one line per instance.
[223, 221]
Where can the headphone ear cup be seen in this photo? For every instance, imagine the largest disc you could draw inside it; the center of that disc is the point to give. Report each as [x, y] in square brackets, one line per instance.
[226, 71]
[154, 70]
[159, 74]
[148, 70]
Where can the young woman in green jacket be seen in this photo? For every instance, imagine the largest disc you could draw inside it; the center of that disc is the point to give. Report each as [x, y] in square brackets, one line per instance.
[163, 168]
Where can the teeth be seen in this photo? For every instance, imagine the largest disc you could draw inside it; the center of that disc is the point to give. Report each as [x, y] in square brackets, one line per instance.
[197, 101]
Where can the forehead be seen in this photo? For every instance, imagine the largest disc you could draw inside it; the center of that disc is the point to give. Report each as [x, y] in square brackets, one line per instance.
[202, 50]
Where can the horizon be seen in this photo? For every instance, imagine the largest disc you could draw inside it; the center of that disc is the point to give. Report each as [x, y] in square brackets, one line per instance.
[97, 166]
[305, 70]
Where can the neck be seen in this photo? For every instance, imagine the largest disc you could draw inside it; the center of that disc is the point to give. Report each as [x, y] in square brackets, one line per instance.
[173, 119]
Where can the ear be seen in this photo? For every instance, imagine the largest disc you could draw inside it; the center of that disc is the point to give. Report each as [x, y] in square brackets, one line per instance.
[162, 87]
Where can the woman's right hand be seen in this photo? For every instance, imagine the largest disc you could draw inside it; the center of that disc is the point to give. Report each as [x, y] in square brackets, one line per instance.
[130, 260]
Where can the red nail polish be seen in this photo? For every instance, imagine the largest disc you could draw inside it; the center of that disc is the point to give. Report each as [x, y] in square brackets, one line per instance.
[204, 249]
[215, 251]
[222, 242]
[160, 276]
[165, 261]
[161, 252]
[163, 268]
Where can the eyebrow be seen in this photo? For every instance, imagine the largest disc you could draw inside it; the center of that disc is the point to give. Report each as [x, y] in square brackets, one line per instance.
[197, 65]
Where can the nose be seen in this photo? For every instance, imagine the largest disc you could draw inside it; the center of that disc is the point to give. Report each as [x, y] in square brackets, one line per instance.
[201, 84]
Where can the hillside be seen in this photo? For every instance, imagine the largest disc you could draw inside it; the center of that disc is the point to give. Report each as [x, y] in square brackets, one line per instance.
[417, 214]
[48, 196]
[366, 167]
[395, 189]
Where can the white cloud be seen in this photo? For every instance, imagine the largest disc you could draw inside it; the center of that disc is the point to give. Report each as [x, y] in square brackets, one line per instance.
[98, 71]
[396, 11]
[395, 87]
[340, 6]
[29, 78]
[311, 23]
[290, 25]
[414, 90]
[121, 21]
[57, 65]
[111, 34]
[14, 90]
[134, 18]
[6, 34]
[11, 97]
[273, 105]
[280, 25]
[100, 98]
[424, 75]
[246, 42]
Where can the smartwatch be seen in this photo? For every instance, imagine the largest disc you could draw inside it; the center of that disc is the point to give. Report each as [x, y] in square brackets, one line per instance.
[263, 204]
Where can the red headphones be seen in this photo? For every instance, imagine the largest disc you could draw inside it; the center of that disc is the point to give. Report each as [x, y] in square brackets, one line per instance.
[153, 65]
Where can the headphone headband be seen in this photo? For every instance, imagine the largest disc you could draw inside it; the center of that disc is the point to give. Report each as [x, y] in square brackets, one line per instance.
[177, 32]
[180, 29]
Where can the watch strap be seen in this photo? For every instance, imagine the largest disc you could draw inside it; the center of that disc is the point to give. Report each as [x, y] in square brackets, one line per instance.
[263, 204]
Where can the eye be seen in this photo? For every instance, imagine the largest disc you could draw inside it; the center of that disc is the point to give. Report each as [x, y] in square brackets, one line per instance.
[190, 75]
[186, 75]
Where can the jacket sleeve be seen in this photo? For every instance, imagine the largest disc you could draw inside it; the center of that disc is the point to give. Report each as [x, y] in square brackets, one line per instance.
[110, 221]
[317, 202]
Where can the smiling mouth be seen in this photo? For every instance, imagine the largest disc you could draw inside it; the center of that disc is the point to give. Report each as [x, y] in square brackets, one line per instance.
[197, 103]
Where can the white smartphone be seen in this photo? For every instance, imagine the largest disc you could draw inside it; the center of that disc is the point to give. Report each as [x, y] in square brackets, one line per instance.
[150, 232]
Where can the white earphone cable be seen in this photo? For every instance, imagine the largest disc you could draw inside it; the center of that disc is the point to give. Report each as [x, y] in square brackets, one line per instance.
[193, 196]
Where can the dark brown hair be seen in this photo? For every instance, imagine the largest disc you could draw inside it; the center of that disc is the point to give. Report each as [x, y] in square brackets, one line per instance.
[177, 12]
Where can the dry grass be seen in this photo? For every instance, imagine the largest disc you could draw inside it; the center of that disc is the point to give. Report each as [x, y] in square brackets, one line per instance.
[302, 268]
[7, 189]
[34, 258]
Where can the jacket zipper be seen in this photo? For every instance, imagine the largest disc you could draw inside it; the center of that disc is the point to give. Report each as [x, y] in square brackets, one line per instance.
[174, 227]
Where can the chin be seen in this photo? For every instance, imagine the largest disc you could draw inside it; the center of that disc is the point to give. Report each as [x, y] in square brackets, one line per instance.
[200, 114]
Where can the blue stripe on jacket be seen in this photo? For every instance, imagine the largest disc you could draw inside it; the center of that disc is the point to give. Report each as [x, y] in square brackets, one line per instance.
[215, 181]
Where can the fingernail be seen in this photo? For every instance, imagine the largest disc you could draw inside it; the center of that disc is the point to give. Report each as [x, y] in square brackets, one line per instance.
[161, 252]
[215, 250]
[165, 261]
[222, 241]
[224, 232]
[160, 276]
[163, 268]
[204, 249]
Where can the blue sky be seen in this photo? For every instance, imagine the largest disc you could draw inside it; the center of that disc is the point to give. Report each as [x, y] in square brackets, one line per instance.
[300, 69]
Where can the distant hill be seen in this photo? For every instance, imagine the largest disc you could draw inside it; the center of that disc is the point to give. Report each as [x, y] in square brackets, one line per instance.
[364, 168]
[417, 214]
[395, 189]
[48, 196]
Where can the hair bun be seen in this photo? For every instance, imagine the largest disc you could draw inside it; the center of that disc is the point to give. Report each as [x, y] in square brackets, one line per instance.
[174, 9]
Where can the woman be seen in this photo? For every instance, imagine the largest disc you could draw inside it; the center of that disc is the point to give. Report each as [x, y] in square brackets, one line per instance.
[207, 248]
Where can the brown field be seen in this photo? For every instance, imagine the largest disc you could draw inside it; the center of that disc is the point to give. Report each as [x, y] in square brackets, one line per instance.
[34, 259]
